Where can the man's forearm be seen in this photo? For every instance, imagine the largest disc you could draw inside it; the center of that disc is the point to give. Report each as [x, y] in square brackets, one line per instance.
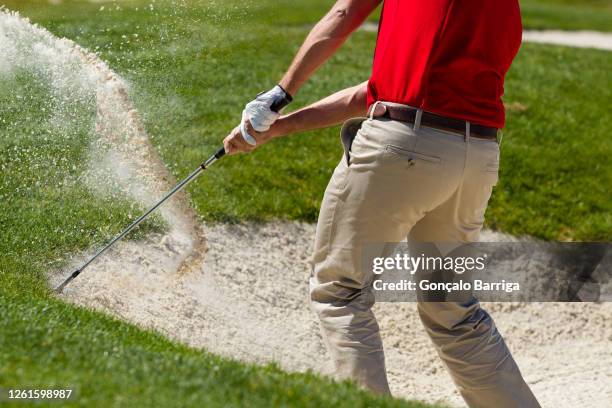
[324, 39]
[330, 111]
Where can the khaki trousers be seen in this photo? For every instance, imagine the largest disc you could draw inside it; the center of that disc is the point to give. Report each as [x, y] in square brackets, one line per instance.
[397, 180]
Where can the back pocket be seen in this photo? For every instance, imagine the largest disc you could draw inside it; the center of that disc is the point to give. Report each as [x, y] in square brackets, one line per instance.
[411, 156]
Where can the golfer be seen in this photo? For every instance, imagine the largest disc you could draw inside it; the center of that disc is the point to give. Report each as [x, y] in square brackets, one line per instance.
[421, 156]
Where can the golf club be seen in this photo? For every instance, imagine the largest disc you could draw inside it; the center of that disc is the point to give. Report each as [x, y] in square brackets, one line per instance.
[218, 154]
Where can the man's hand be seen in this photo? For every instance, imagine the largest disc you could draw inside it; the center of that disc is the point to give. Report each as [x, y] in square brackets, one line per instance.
[330, 111]
[235, 142]
[263, 111]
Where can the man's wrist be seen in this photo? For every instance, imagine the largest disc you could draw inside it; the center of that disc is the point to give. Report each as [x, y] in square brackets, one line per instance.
[287, 87]
[282, 127]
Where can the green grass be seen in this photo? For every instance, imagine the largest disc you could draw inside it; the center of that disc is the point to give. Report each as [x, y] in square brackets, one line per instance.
[192, 67]
[567, 14]
[556, 170]
[46, 343]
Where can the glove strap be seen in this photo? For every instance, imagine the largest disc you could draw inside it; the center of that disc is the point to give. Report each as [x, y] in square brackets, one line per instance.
[279, 104]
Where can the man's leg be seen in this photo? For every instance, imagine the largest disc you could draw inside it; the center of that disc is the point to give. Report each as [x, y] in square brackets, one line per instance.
[465, 335]
[376, 199]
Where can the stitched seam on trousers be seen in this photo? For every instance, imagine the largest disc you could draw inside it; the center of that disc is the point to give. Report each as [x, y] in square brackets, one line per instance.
[337, 202]
[492, 167]
[333, 227]
[410, 154]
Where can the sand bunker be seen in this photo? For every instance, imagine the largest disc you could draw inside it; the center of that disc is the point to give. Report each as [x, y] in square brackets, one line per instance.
[244, 294]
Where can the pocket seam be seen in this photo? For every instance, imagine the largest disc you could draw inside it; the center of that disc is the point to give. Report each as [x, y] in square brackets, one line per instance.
[411, 154]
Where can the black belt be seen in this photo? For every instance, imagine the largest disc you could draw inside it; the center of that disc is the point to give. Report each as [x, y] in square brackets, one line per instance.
[428, 119]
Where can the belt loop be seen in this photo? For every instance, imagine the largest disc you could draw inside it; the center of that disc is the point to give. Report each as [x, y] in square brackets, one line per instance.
[372, 110]
[468, 131]
[417, 120]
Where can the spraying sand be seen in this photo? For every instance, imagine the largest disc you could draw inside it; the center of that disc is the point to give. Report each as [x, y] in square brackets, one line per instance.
[247, 298]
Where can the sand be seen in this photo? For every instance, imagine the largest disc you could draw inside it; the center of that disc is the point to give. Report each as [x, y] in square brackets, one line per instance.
[249, 301]
[241, 290]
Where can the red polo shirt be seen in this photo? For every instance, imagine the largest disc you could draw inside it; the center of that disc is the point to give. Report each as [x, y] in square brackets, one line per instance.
[448, 57]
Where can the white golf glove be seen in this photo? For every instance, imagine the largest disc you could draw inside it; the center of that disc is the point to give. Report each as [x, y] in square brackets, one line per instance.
[263, 111]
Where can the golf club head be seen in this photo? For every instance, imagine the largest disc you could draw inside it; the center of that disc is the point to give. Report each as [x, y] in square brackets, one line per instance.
[60, 288]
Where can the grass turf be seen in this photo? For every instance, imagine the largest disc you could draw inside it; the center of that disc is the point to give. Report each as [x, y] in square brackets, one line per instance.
[48, 344]
[567, 14]
[193, 66]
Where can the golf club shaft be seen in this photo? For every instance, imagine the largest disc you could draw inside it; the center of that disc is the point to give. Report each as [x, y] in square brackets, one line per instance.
[140, 219]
